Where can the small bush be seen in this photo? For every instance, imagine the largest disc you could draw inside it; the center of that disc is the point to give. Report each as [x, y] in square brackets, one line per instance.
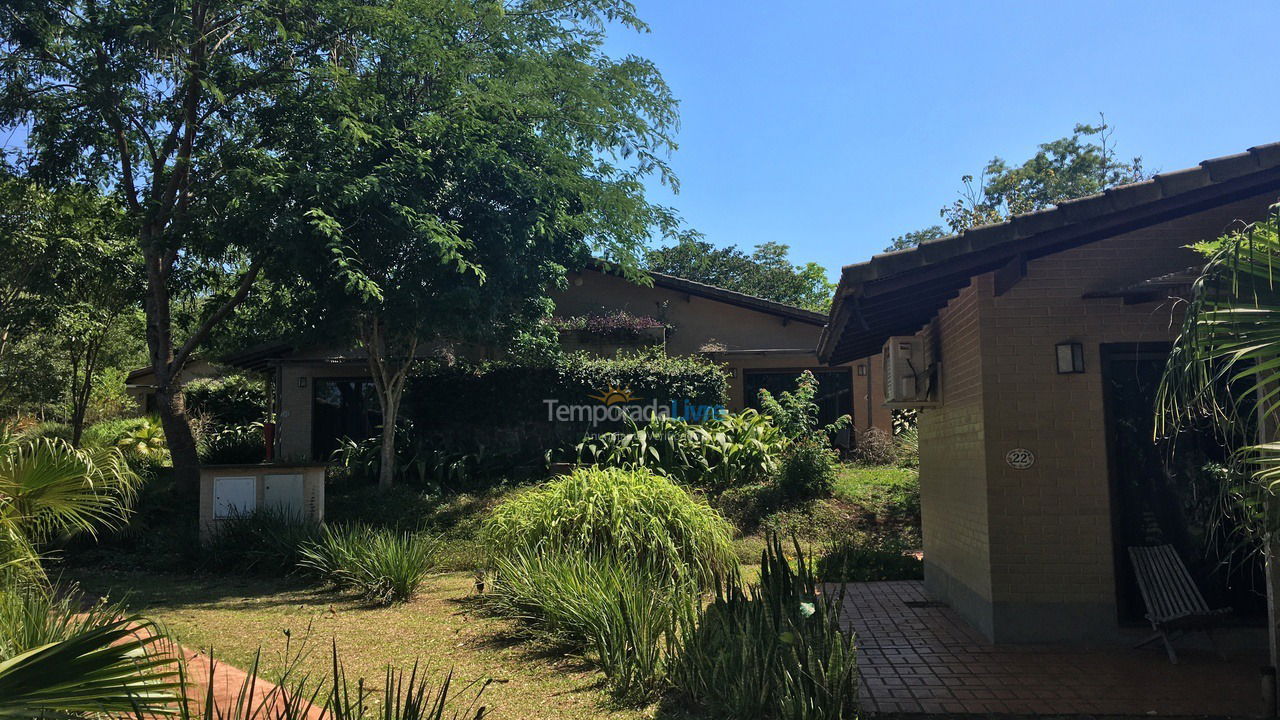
[630, 514]
[869, 557]
[225, 401]
[736, 449]
[773, 650]
[623, 618]
[109, 432]
[234, 445]
[809, 470]
[385, 566]
[267, 541]
[873, 447]
[747, 505]
[907, 447]
[53, 430]
[32, 616]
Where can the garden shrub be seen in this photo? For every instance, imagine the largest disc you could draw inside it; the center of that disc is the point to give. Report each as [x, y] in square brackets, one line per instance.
[773, 650]
[234, 445]
[109, 432]
[625, 619]
[808, 470]
[907, 447]
[266, 541]
[735, 449]
[747, 505]
[628, 514]
[385, 566]
[47, 429]
[224, 401]
[873, 447]
[465, 409]
[869, 557]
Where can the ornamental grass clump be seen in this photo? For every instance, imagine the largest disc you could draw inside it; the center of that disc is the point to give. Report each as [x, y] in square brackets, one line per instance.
[630, 515]
[384, 566]
[772, 650]
[622, 619]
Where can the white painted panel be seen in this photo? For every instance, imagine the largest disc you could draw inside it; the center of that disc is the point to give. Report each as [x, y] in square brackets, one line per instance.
[234, 496]
[285, 492]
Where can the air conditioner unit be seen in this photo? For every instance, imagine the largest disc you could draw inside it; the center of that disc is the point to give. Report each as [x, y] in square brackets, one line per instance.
[909, 376]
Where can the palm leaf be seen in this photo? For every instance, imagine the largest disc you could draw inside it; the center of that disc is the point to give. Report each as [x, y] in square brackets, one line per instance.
[112, 668]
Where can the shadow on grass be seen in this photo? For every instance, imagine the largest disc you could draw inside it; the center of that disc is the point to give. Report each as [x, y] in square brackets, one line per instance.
[141, 590]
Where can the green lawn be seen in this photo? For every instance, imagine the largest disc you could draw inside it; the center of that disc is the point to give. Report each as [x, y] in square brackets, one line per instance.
[884, 494]
[444, 627]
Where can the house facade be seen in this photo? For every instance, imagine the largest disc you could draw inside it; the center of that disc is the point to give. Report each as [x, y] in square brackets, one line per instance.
[321, 394]
[1044, 339]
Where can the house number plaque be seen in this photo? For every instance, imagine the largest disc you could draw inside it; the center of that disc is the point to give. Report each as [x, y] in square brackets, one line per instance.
[1020, 458]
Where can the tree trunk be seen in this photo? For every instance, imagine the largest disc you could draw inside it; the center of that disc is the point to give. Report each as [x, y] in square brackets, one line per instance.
[389, 376]
[178, 435]
[387, 468]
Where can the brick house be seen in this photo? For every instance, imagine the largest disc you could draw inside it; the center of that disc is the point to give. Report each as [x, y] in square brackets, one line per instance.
[322, 394]
[1043, 339]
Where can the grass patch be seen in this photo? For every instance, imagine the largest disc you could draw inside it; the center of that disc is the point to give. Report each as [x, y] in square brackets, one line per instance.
[442, 627]
[885, 495]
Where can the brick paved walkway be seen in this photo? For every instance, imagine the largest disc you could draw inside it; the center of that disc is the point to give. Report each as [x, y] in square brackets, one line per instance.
[917, 658]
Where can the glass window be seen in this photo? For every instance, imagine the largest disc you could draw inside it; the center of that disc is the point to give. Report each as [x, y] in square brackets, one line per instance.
[834, 396]
[342, 408]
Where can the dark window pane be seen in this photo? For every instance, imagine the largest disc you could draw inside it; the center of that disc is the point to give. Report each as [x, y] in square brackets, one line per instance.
[341, 407]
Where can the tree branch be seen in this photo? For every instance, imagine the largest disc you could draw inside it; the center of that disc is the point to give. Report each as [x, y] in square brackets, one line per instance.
[197, 337]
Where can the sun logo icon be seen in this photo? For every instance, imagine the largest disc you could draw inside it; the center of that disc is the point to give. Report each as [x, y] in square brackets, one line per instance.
[614, 396]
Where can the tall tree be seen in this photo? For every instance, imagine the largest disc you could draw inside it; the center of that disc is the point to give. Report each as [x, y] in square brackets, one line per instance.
[1082, 163]
[443, 207]
[198, 115]
[766, 272]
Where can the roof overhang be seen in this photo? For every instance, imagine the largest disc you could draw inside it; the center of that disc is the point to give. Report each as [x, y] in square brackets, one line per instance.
[900, 292]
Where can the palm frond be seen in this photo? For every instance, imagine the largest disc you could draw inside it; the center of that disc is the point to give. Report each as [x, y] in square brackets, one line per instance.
[112, 668]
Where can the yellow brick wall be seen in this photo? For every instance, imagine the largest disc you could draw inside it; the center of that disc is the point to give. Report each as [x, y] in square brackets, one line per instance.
[1035, 544]
[953, 479]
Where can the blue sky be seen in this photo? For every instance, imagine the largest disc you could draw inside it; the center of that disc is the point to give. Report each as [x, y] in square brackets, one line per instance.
[834, 125]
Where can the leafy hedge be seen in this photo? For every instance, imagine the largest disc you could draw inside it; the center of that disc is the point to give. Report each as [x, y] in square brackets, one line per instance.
[464, 408]
[225, 401]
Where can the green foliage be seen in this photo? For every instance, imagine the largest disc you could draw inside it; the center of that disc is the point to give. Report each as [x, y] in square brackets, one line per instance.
[747, 505]
[1222, 373]
[624, 617]
[48, 429]
[808, 470]
[773, 650]
[49, 488]
[907, 447]
[874, 447]
[796, 413]
[886, 496]
[383, 565]
[144, 440]
[627, 514]
[463, 410]
[33, 616]
[767, 272]
[116, 667]
[234, 444]
[868, 557]
[234, 400]
[266, 541]
[1083, 163]
[735, 449]
[109, 432]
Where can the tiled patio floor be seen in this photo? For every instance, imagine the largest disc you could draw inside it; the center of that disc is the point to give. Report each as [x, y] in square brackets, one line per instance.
[925, 659]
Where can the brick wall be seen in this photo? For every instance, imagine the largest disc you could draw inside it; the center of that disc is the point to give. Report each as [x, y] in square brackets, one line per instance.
[1036, 544]
[953, 481]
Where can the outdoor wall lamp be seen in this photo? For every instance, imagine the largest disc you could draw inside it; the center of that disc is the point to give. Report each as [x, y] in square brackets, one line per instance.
[1070, 357]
